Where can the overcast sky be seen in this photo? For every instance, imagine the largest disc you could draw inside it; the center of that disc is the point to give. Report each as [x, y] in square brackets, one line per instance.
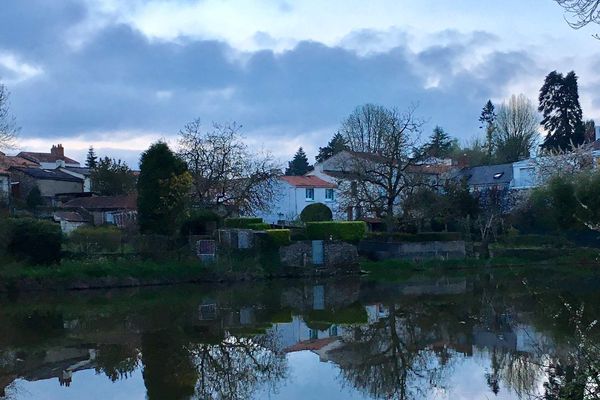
[120, 74]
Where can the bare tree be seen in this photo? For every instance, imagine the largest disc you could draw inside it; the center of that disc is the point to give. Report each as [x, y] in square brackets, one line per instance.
[8, 125]
[384, 164]
[582, 12]
[227, 175]
[516, 130]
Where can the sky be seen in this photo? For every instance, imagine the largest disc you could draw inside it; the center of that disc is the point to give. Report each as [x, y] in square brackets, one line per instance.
[120, 75]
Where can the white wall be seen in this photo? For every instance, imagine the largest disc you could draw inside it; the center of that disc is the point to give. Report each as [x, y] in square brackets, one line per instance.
[4, 188]
[290, 202]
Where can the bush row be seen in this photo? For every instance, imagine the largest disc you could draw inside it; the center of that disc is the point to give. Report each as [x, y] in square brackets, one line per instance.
[348, 231]
[533, 240]
[32, 241]
[261, 226]
[279, 237]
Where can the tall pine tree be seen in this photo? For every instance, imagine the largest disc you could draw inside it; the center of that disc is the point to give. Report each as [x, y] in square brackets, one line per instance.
[562, 115]
[336, 144]
[440, 144]
[299, 164]
[91, 160]
[488, 121]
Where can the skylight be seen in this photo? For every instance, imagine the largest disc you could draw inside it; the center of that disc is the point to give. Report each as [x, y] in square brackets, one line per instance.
[498, 175]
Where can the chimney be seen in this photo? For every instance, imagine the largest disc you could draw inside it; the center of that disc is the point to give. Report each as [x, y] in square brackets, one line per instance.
[58, 151]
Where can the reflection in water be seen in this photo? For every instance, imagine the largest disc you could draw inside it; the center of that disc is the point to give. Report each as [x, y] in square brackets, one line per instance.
[407, 340]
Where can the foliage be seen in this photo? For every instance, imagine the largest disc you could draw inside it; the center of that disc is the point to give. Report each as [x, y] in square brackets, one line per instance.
[199, 223]
[91, 160]
[440, 144]
[261, 226]
[562, 115]
[590, 131]
[280, 237]
[34, 241]
[242, 222]
[227, 175]
[112, 177]
[163, 190]
[533, 240]
[337, 144]
[348, 231]
[316, 212]
[516, 131]
[8, 127]
[34, 198]
[474, 152]
[299, 164]
[89, 239]
[583, 12]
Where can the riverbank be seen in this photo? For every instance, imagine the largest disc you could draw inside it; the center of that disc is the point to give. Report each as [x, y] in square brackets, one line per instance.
[117, 273]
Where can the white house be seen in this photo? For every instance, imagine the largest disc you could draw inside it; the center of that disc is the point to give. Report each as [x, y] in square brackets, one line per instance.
[4, 188]
[295, 193]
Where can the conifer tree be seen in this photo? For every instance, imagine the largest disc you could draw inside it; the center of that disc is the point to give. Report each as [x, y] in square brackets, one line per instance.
[299, 164]
[562, 115]
[336, 144]
[488, 119]
[440, 144]
[91, 160]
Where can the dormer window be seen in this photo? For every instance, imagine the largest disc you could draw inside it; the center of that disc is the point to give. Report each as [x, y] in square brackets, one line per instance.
[498, 175]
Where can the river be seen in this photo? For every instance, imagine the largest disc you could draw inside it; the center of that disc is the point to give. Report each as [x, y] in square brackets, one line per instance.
[502, 334]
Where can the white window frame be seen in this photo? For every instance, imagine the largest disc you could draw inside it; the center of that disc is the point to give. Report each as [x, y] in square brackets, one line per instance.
[327, 192]
[307, 191]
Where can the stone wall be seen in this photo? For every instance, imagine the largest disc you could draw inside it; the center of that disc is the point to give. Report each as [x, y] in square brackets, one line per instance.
[412, 250]
[336, 255]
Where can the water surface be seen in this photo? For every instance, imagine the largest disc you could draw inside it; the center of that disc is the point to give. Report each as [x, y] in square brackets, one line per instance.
[502, 335]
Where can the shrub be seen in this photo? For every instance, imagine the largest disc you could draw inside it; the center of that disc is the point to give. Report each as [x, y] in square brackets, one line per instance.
[200, 223]
[241, 223]
[279, 237]
[315, 213]
[415, 237]
[96, 239]
[35, 241]
[34, 198]
[348, 231]
[261, 226]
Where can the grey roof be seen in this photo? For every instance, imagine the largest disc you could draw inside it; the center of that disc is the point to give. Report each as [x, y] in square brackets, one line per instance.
[47, 174]
[79, 170]
[485, 175]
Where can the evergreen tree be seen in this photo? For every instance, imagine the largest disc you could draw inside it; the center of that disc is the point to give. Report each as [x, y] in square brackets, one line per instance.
[336, 144]
[91, 160]
[112, 177]
[488, 119]
[299, 164]
[562, 115]
[163, 187]
[440, 144]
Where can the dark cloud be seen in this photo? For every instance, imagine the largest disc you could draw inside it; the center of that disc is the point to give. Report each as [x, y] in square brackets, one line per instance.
[120, 80]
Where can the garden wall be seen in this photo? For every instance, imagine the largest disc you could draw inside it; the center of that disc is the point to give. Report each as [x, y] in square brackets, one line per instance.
[412, 250]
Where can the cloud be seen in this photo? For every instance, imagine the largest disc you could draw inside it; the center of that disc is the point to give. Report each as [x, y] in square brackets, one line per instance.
[118, 79]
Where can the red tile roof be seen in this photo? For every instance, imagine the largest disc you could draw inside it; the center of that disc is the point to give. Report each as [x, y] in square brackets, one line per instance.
[15, 161]
[308, 181]
[128, 202]
[70, 216]
[3, 172]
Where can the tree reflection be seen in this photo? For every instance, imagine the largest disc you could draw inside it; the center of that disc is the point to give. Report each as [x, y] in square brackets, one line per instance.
[116, 361]
[233, 368]
[391, 358]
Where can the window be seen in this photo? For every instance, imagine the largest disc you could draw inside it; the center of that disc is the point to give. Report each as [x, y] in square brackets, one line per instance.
[310, 194]
[329, 194]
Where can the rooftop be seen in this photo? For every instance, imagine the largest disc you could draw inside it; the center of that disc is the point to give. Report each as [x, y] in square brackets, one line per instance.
[56, 153]
[126, 202]
[308, 181]
[488, 174]
[47, 174]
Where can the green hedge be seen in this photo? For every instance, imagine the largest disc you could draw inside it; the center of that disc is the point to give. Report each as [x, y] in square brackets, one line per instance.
[316, 212]
[261, 226]
[91, 239]
[34, 241]
[415, 237]
[200, 222]
[348, 231]
[279, 237]
[242, 223]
